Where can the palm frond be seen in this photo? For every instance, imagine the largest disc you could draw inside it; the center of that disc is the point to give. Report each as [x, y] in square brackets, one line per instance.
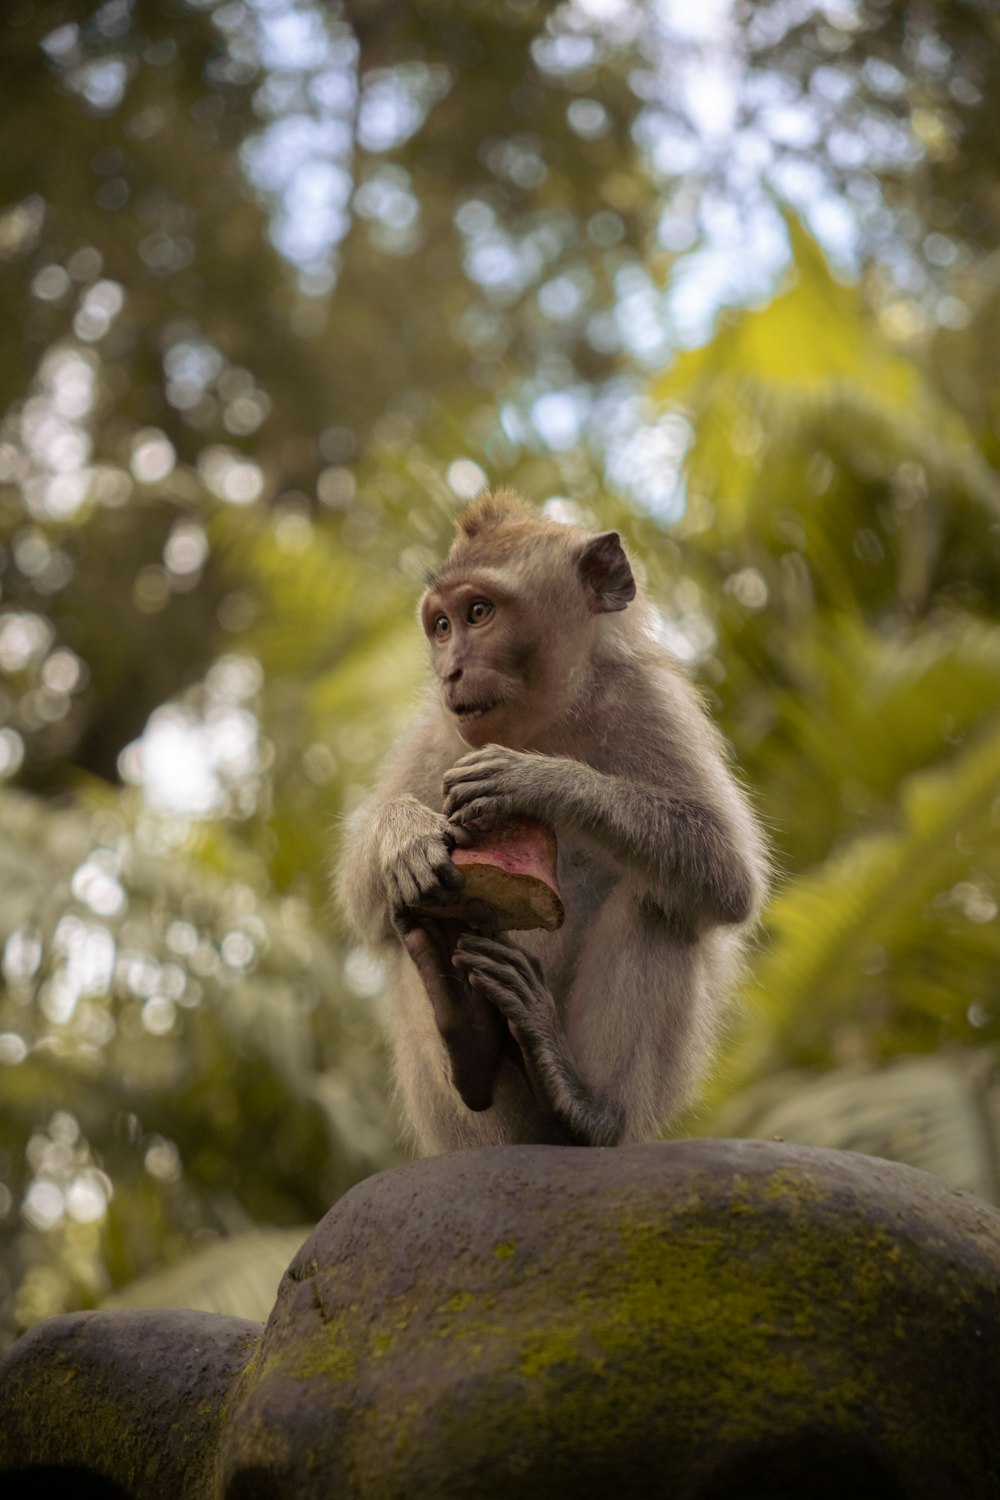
[810, 364]
[898, 929]
[237, 1277]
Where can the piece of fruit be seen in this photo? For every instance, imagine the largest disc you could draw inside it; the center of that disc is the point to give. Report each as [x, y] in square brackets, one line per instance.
[512, 869]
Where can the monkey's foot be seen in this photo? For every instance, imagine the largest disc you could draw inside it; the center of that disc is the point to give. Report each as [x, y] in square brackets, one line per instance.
[513, 980]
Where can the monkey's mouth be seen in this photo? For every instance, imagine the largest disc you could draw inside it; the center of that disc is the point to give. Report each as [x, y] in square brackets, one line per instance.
[467, 712]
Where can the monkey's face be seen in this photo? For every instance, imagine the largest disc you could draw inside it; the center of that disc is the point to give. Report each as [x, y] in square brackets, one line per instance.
[505, 675]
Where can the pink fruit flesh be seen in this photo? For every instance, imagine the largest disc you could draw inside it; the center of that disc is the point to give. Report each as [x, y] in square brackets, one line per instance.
[513, 870]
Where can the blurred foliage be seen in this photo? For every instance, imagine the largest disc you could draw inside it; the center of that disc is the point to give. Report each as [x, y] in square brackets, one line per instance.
[284, 281]
[236, 1277]
[940, 1113]
[174, 1069]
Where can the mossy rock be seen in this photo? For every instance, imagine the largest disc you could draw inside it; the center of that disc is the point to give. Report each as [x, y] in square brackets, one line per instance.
[123, 1405]
[700, 1320]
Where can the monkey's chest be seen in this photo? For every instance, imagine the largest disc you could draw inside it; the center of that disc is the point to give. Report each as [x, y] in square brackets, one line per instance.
[585, 881]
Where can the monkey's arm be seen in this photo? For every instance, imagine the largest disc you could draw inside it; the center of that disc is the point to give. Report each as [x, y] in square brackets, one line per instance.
[395, 866]
[694, 847]
[396, 847]
[512, 980]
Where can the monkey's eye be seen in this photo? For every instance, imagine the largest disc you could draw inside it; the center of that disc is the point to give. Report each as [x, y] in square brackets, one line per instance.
[479, 610]
[440, 626]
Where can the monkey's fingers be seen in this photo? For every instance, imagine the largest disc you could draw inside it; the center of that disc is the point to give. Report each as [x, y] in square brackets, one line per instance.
[488, 810]
[490, 772]
[473, 967]
[506, 1001]
[492, 760]
[502, 950]
[404, 895]
[442, 890]
[397, 895]
[464, 792]
[449, 875]
[524, 996]
[425, 880]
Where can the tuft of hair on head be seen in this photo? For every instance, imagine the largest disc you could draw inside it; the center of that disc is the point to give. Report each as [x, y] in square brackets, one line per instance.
[492, 509]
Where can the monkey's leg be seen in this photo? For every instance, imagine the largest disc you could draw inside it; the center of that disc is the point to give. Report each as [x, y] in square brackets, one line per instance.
[472, 1030]
[512, 979]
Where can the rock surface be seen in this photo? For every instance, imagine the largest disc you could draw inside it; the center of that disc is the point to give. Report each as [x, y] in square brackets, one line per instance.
[701, 1320]
[108, 1404]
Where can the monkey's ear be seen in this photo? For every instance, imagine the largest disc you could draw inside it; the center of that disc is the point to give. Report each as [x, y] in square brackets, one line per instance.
[606, 574]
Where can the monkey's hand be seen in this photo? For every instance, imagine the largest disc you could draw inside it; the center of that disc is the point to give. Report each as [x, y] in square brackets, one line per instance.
[513, 980]
[495, 783]
[414, 846]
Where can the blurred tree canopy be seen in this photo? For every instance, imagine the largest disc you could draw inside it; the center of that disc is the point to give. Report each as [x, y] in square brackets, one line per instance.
[284, 282]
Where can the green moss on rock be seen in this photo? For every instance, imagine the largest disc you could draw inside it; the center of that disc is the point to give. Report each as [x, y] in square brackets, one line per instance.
[667, 1308]
[135, 1398]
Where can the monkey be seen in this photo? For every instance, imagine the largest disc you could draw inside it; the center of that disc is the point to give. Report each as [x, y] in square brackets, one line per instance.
[552, 697]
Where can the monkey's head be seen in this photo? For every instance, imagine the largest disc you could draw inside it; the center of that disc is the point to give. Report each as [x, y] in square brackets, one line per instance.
[512, 618]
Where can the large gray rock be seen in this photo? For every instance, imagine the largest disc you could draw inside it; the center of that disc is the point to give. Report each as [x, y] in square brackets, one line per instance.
[108, 1404]
[697, 1320]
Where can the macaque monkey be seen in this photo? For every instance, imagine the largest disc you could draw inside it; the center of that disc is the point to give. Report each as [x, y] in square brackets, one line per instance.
[553, 699]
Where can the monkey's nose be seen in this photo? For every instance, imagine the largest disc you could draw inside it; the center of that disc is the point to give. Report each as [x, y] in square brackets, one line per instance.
[453, 674]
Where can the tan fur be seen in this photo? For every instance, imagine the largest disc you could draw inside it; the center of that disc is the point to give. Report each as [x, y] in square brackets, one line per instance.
[661, 864]
[489, 511]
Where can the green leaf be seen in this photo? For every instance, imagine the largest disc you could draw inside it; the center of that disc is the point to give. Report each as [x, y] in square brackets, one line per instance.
[237, 1277]
[810, 361]
[897, 930]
